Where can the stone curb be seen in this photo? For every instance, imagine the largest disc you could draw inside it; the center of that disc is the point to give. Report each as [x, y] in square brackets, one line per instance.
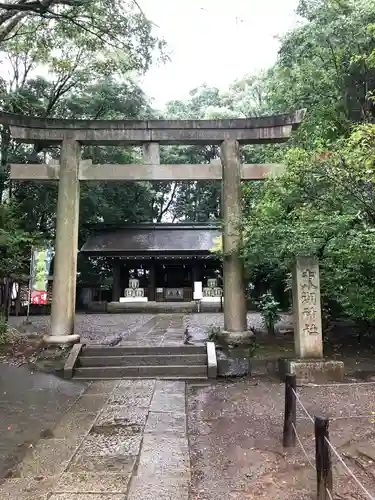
[211, 360]
[71, 361]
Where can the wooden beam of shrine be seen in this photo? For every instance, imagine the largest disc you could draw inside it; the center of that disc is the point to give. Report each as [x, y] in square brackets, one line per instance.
[136, 172]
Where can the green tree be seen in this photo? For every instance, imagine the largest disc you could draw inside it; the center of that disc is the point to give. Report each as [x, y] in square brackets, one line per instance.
[324, 66]
[112, 25]
[323, 205]
[88, 77]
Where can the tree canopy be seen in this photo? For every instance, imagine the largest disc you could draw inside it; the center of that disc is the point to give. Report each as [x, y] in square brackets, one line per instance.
[114, 25]
[323, 204]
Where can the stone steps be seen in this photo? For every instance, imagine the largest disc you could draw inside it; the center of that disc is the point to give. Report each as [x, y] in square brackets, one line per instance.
[128, 362]
[142, 351]
[145, 360]
[120, 372]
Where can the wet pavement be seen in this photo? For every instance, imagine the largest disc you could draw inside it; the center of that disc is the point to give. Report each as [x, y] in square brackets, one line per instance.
[30, 405]
[150, 440]
[120, 440]
[160, 330]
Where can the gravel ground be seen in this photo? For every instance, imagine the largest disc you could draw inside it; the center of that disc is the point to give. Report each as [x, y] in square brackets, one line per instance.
[107, 328]
[199, 324]
[93, 328]
[235, 436]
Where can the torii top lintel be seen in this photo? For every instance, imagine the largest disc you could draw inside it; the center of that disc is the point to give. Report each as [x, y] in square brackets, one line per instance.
[266, 129]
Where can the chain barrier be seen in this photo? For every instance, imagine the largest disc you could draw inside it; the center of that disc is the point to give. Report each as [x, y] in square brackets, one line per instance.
[348, 471]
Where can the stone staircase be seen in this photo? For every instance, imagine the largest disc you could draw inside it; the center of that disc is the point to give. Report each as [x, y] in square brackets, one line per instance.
[165, 362]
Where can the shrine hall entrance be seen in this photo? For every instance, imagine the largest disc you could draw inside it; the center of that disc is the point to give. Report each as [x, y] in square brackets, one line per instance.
[176, 281]
[168, 281]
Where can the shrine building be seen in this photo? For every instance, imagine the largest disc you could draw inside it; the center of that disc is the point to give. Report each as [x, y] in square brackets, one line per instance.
[159, 262]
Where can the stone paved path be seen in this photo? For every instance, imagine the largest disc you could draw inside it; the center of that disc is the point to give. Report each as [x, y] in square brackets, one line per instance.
[121, 440]
[161, 330]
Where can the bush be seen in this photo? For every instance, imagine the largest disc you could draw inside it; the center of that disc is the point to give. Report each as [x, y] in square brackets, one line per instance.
[213, 335]
[270, 312]
[7, 333]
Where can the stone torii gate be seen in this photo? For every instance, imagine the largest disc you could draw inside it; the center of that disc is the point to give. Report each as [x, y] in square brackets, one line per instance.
[72, 134]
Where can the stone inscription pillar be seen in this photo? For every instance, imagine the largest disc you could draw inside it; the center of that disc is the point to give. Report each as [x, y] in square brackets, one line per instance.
[235, 322]
[308, 338]
[116, 287]
[66, 247]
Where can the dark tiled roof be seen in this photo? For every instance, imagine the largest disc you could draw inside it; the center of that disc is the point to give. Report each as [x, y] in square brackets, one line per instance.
[153, 239]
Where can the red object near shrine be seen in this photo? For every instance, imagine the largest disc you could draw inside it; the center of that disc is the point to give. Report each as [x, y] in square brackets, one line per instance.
[39, 297]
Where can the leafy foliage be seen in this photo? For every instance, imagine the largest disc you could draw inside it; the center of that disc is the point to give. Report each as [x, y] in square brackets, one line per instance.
[269, 311]
[321, 205]
[118, 28]
[326, 66]
[71, 59]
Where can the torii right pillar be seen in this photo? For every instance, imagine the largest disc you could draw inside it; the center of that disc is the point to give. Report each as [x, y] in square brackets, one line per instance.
[235, 321]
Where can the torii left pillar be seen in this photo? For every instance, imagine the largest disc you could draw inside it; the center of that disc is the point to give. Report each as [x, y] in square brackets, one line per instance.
[235, 321]
[66, 246]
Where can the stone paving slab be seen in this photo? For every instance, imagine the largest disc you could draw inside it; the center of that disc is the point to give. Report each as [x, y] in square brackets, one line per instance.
[118, 442]
[170, 386]
[26, 488]
[168, 402]
[159, 488]
[136, 385]
[26, 496]
[101, 387]
[86, 496]
[90, 403]
[122, 416]
[160, 423]
[164, 456]
[163, 329]
[138, 395]
[123, 464]
[74, 424]
[92, 482]
[48, 458]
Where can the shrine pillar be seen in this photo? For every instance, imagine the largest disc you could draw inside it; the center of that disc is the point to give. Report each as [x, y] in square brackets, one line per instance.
[116, 286]
[152, 282]
[235, 321]
[66, 247]
[197, 271]
[151, 153]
